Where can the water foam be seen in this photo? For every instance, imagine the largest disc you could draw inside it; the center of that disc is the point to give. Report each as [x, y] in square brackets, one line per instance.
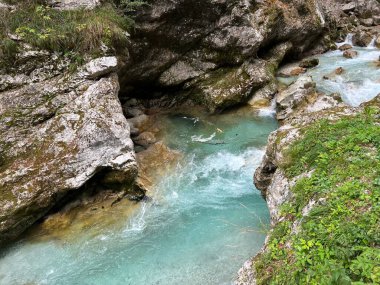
[200, 138]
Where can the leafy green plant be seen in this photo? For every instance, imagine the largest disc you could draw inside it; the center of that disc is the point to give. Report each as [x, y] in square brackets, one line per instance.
[338, 241]
[80, 31]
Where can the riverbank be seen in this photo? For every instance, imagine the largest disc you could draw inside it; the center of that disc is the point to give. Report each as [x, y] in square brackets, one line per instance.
[320, 179]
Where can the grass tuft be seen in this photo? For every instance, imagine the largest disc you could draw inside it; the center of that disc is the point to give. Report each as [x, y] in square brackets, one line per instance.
[76, 31]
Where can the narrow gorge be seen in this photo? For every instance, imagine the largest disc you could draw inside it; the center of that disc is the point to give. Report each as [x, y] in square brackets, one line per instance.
[189, 142]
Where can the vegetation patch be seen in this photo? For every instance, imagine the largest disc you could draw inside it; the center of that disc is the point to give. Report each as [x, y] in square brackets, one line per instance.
[337, 241]
[79, 32]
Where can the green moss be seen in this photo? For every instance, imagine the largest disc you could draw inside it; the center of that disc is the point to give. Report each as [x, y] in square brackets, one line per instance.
[338, 242]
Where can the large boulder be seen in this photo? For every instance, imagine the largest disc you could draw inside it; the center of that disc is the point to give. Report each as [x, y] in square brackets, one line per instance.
[56, 134]
[214, 50]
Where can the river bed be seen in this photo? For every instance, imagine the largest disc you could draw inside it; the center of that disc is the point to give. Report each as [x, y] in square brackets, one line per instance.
[204, 218]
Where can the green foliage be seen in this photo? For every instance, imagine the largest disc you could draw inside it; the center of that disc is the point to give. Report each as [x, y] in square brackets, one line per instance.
[338, 242]
[8, 50]
[130, 6]
[80, 31]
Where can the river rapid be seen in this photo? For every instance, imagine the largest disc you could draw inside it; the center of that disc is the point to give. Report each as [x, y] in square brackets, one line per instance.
[204, 217]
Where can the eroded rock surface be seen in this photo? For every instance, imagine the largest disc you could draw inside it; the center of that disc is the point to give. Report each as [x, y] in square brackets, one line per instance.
[216, 52]
[56, 133]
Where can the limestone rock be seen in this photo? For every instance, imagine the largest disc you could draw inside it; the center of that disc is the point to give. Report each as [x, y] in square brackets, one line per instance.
[5, 7]
[193, 51]
[56, 134]
[293, 96]
[290, 70]
[349, 7]
[145, 139]
[367, 22]
[99, 67]
[362, 38]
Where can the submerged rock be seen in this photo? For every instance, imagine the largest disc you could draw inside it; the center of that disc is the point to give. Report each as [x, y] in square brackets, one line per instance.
[339, 71]
[350, 54]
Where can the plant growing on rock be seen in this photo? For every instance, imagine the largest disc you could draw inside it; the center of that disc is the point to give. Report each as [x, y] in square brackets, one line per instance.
[84, 32]
[330, 230]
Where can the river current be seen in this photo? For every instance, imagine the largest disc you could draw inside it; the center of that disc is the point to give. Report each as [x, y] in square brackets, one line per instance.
[204, 218]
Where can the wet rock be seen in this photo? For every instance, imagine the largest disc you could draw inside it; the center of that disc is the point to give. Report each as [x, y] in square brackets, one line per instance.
[297, 71]
[345, 47]
[350, 54]
[154, 162]
[362, 38]
[309, 63]
[132, 112]
[264, 96]
[296, 94]
[290, 70]
[140, 122]
[332, 75]
[339, 71]
[145, 139]
[377, 42]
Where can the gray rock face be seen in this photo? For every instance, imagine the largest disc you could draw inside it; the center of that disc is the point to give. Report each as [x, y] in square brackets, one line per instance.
[289, 99]
[350, 54]
[349, 7]
[367, 11]
[56, 134]
[5, 7]
[214, 51]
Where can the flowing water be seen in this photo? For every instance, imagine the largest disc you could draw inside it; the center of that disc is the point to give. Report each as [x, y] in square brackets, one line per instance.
[204, 220]
[360, 80]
